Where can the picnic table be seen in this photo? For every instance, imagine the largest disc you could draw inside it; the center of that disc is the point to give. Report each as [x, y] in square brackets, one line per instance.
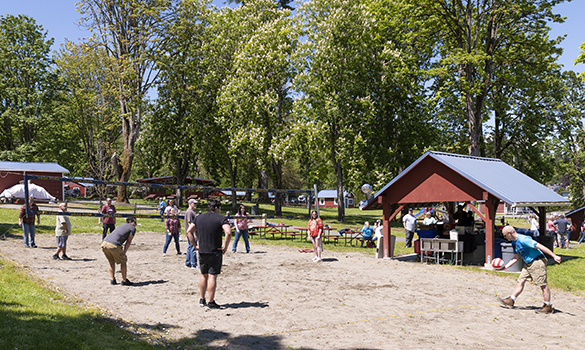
[304, 231]
[272, 230]
[350, 235]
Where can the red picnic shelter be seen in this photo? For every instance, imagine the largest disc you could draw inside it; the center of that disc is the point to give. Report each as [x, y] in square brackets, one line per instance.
[438, 177]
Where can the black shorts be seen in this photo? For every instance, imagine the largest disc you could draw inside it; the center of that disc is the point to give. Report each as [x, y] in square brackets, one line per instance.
[211, 263]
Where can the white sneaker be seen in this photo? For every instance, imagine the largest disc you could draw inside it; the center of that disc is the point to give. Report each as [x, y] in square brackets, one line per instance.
[164, 254]
[315, 258]
[319, 260]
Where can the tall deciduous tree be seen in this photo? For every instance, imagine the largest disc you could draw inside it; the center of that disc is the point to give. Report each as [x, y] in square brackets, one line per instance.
[27, 86]
[334, 76]
[470, 35]
[255, 102]
[179, 120]
[89, 107]
[132, 33]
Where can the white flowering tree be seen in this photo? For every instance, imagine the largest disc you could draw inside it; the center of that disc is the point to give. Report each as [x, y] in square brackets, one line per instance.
[334, 74]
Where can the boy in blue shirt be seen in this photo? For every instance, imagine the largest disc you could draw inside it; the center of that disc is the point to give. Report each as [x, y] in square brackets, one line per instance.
[534, 268]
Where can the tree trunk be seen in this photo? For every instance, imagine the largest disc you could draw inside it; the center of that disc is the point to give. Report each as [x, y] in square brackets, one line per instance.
[130, 125]
[277, 171]
[233, 184]
[263, 183]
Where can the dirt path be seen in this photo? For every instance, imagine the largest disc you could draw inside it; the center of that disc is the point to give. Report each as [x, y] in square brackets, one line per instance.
[276, 297]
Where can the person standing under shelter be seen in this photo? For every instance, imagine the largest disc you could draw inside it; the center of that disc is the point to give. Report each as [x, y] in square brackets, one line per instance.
[429, 219]
[241, 228]
[62, 232]
[409, 223]
[27, 222]
[115, 253]
[535, 263]
[207, 238]
[190, 216]
[563, 230]
[109, 222]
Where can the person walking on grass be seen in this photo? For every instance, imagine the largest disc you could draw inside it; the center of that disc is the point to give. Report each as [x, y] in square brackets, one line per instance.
[535, 263]
[109, 222]
[161, 209]
[207, 238]
[116, 245]
[27, 222]
[62, 232]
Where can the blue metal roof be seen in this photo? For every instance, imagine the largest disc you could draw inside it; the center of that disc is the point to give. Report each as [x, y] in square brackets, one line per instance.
[20, 166]
[330, 194]
[495, 177]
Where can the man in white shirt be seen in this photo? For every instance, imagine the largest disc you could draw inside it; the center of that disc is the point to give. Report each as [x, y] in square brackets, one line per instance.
[409, 223]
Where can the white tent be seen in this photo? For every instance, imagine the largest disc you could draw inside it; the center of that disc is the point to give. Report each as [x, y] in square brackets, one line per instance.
[17, 191]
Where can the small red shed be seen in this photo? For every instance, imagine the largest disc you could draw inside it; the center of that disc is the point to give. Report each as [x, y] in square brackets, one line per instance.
[12, 173]
[328, 199]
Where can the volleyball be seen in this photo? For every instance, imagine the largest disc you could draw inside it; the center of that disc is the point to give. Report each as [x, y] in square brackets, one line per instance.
[366, 189]
[497, 263]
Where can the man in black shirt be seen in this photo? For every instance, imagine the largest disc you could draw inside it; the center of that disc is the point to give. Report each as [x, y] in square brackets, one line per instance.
[207, 238]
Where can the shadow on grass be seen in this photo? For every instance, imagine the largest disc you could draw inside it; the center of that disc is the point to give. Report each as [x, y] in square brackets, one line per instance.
[24, 329]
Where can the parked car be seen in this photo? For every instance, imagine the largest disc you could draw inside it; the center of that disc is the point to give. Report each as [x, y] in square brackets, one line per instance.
[302, 198]
[73, 193]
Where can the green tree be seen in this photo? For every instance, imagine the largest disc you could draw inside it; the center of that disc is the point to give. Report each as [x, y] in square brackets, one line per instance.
[334, 78]
[88, 107]
[132, 34]
[27, 86]
[567, 138]
[183, 104]
[254, 103]
[471, 40]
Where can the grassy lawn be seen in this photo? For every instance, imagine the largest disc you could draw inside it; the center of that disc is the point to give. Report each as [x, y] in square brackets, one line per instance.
[32, 316]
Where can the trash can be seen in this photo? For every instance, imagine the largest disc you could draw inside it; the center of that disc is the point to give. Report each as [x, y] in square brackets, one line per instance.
[547, 241]
[380, 247]
[498, 247]
[508, 254]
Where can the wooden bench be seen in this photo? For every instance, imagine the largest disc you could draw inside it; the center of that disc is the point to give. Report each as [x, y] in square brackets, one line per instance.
[367, 240]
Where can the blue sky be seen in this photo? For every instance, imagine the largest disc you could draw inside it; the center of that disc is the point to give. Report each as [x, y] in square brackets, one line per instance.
[60, 18]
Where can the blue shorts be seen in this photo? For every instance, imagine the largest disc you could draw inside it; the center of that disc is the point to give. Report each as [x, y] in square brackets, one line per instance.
[210, 263]
[62, 241]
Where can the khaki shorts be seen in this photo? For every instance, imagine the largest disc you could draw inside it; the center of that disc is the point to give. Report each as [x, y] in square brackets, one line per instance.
[114, 253]
[535, 271]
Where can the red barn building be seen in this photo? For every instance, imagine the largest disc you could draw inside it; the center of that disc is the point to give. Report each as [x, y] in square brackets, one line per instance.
[12, 173]
[328, 199]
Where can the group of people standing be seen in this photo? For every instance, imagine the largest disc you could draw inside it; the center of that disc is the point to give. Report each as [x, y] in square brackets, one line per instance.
[204, 233]
[26, 220]
[559, 228]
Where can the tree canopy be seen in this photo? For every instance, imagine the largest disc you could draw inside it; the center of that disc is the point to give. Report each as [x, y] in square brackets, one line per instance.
[259, 94]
